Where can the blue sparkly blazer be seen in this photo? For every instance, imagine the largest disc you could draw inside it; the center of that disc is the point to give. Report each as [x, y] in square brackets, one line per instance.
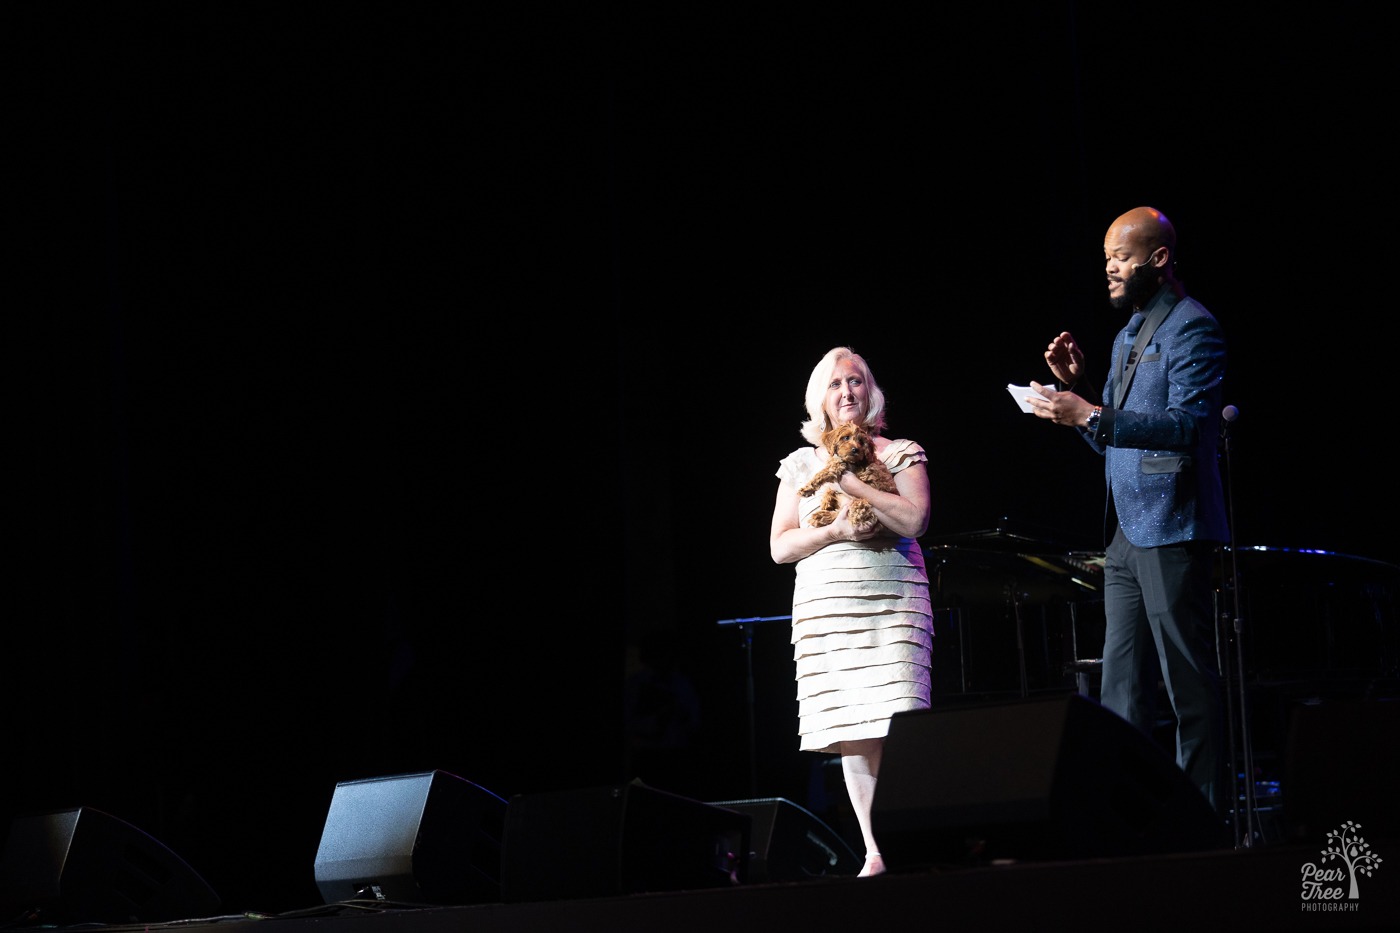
[1161, 439]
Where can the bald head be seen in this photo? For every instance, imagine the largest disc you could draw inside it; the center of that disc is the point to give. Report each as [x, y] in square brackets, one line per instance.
[1144, 228]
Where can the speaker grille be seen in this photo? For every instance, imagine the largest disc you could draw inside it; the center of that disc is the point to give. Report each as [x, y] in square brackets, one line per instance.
[430, 837]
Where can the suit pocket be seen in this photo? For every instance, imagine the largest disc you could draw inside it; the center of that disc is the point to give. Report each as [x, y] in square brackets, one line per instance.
[1153, 351]
[1172, 463]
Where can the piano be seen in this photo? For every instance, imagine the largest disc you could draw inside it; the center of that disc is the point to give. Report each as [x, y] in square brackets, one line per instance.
[1012, 608]
[1018, 612]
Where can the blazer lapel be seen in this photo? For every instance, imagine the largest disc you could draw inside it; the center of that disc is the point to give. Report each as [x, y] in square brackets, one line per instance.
[1163, 305]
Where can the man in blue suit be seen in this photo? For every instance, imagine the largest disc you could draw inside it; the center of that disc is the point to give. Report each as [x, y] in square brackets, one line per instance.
[1158, 428]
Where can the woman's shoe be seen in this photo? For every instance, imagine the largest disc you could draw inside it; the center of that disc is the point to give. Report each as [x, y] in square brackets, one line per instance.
[874, 865]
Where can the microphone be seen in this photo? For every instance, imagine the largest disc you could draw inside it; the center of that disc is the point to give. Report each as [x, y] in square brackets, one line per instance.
[1133, 267]
[1227, 418]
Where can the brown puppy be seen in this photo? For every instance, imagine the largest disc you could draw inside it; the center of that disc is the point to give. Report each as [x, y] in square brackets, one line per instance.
[852, 449]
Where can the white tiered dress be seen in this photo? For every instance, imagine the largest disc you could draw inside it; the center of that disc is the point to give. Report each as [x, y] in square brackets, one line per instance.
[862, 624]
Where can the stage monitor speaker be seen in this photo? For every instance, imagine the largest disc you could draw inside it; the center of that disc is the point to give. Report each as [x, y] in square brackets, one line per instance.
[86, 866]
[1340, 763]
[1032, 779]
[620, 839]
[425, 838]
[789, 843]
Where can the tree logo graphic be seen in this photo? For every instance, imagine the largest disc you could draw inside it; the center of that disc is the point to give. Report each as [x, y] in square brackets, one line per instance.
[1324, 885]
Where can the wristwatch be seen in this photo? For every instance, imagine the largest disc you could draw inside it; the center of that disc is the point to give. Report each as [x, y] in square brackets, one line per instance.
[1092, 425]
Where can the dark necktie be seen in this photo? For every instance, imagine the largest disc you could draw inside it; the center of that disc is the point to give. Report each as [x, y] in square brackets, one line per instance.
[1129, 335]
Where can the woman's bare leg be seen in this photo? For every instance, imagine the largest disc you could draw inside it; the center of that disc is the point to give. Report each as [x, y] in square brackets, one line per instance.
[860, 765]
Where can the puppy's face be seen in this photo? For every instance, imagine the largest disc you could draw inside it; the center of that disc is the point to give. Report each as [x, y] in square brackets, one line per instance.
[850, 443]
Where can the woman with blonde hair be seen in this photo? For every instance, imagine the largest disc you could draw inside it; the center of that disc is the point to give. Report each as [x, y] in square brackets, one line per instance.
[862, 623]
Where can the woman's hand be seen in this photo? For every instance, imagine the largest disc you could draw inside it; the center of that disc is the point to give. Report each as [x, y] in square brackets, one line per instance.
[847, 530]
[790, 540]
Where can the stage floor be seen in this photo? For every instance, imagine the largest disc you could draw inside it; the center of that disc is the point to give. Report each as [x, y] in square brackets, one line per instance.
[1235, 890]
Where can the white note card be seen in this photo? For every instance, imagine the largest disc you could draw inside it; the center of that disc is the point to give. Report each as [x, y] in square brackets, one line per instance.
[1019, 393]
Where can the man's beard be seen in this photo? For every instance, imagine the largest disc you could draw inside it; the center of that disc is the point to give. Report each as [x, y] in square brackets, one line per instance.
[1138, 289]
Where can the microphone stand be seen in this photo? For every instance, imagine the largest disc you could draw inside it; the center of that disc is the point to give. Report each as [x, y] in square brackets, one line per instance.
[1244, 815]
[746, 628]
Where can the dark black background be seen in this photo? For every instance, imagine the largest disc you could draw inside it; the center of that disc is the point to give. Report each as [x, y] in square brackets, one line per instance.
[381, 375]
